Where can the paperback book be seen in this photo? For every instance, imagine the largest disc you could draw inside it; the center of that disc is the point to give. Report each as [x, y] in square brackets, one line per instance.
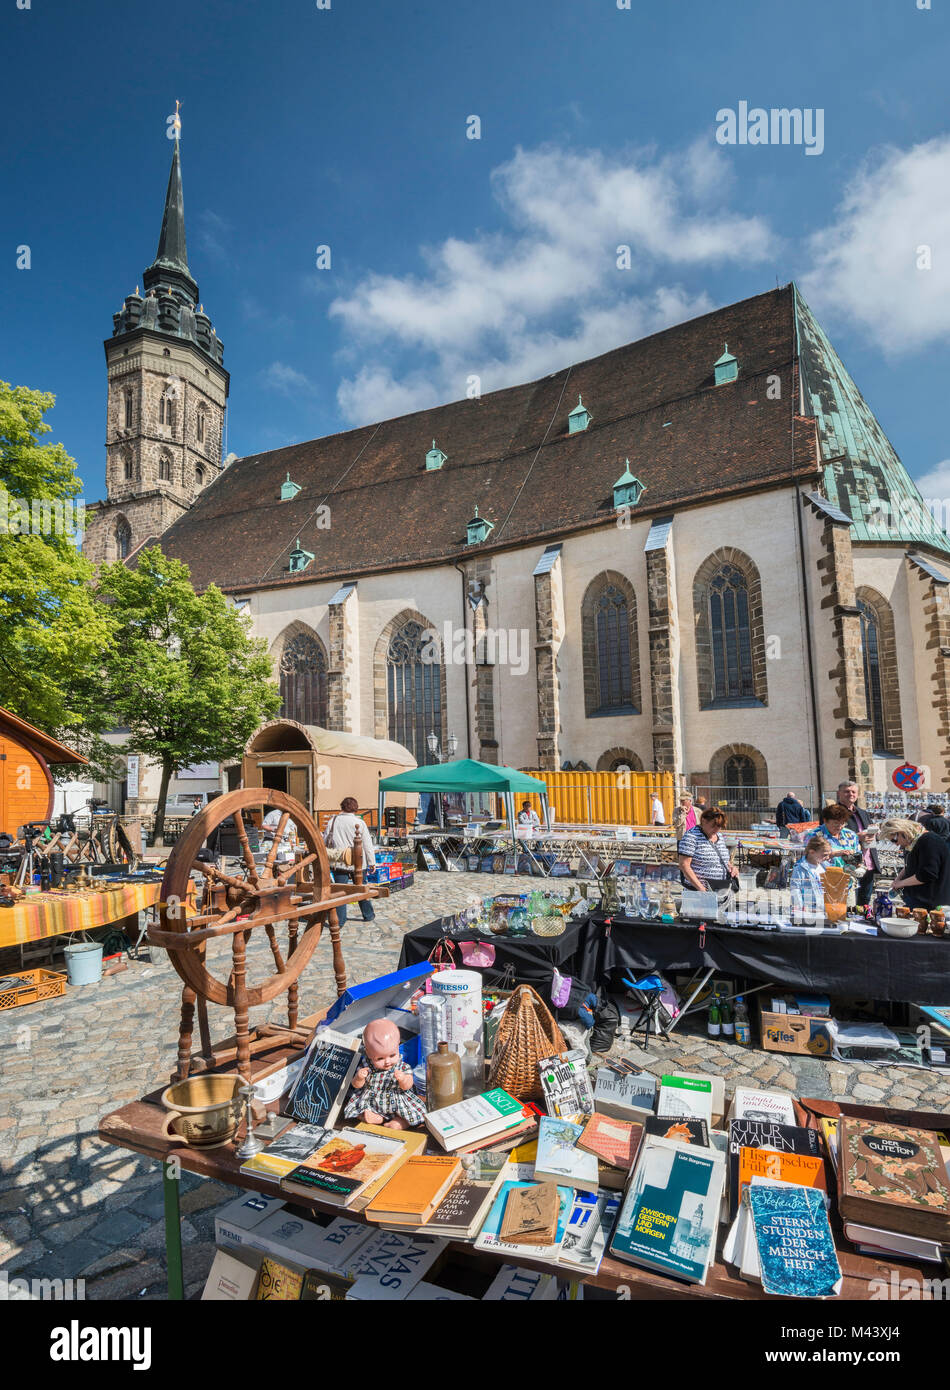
[624, 1097]
[615, 1142]
[893, 1177]
[489, 1238]
[796, 1252]
[670, 1214]
[682, 1130]
[559, 1159]
[588, 1231]
[566, 1084]
[317, 1095]
[685, 1097]
[766, 1134]
[480, 1117]
[282, 1155]
[412, 1143]
[343, 1166]
[414, 1190]
[749, 1104]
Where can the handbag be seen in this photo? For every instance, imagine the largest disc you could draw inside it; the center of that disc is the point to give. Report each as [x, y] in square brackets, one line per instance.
[442, 958]
[478, 954]
[527, 1034]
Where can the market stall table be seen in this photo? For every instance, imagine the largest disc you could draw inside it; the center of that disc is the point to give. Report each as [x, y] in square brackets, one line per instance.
[907, 970]
[138, 1127]
[533, 958]
[42, 915]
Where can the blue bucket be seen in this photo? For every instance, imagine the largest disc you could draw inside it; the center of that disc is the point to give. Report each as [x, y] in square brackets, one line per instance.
[83, 962]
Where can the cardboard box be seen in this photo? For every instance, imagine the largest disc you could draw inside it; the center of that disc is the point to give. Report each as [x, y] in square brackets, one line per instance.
[293, 1239]
[795, 1033]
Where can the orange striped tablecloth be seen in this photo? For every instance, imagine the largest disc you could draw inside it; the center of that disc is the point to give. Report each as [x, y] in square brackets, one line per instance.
[44, 914]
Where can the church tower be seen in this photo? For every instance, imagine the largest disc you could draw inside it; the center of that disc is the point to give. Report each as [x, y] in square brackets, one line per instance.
[166, 402]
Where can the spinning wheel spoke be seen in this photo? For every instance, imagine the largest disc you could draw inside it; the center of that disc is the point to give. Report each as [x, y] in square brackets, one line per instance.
[246, 850]
[275, 948]
[216, 876]
[288, 874]
[278, 836]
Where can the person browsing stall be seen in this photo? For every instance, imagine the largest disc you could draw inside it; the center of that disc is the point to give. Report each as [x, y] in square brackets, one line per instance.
[789, 811]
[834, 828]
[703, 855]
[924, 880]
[808, 878]
[861, 822]
[341, 833]
[526, 816]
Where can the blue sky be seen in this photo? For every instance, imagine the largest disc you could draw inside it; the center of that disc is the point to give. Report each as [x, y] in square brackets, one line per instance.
[346, 127]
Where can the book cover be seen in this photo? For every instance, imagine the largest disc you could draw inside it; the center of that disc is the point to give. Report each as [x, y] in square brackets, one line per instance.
[531, 1214]
[588, 1231]
[489, 1238]
[893, 1177]
[749, 1104]
[476, 1118]
[412, 1143]
[682, 1129]
[796, 1252]
[415, 1189]
[460, 1214]
[802, 1170]
[765, 1134]
[343, 1166]
[670, 1214]
[337, 1248]
[398, 1272]
[560, 1160]
[624, 1097]
[686, 1097]
[283, 1154]
[320, 1286]
[230, 1279]
[317, 1095]
[279, 1282]
[566, 1084]
[516, 1136]
[615, 1142]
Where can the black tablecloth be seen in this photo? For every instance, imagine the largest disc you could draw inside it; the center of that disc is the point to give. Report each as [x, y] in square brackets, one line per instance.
[533, 958]
[914, 970]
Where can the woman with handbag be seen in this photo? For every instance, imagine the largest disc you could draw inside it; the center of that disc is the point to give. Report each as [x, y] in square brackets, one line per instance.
[704, 858]
[340, 834]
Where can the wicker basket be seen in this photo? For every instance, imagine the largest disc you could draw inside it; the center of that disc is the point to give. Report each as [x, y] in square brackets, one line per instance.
[527, 1033]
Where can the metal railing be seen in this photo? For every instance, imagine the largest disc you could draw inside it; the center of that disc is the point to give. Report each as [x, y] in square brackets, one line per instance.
[747, 806]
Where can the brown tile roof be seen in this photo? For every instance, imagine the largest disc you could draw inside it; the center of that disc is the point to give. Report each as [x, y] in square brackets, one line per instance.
[510, 454]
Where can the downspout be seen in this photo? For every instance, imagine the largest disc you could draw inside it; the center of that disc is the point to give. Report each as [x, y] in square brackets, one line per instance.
[803, 558]
[468, 713]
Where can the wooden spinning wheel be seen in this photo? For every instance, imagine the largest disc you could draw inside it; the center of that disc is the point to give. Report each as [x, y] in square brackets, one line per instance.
[260, 892]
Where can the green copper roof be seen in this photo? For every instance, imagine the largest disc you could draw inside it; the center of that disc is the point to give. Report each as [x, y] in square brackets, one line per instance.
[172, 250]
[863, 476]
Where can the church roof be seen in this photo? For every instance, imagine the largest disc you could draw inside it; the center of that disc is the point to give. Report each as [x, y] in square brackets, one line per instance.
[172, 249]
[511, 454]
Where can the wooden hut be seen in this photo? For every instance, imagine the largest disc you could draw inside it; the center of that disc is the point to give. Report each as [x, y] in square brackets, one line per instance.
[26, 785]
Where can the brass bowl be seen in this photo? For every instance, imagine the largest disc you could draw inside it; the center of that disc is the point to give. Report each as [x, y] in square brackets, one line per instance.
[204, 1111]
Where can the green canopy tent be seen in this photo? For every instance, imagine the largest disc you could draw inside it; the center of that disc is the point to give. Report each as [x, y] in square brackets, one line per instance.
[467, 775]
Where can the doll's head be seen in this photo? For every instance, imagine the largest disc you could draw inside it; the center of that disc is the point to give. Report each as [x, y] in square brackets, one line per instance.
[381, 1043]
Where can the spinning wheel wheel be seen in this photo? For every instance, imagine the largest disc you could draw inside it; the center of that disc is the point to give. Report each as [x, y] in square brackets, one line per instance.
[232, 904]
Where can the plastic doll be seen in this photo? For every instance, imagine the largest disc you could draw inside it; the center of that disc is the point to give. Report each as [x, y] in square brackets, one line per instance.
[383, 1092]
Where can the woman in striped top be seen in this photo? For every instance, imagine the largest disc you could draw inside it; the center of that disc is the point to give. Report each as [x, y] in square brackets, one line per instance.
[703, 856]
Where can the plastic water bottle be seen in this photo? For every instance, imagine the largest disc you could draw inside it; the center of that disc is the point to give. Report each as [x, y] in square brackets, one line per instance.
[743, 1029]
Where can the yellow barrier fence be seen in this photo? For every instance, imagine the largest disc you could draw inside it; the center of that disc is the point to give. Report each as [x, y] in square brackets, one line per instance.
[604, 798]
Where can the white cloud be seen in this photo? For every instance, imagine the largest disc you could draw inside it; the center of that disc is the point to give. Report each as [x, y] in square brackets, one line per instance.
[515, 305]
[866, 262]
[934, 488]
[287, 380]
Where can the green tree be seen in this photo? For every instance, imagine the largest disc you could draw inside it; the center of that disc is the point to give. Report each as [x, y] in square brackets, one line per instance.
[183, 673]
[53, 633]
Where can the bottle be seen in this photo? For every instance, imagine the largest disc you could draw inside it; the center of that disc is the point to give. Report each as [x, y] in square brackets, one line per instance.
[473, 1070]
[743, 1030]
[668, 907]
[728, 1026]
[443, 1078]
[714, 1027]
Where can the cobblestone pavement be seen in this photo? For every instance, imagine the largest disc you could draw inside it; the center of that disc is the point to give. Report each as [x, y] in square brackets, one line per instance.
[72, 1207]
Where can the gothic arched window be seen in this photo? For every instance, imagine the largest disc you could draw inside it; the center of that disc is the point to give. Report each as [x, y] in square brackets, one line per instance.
[200, 426]
[123, 538]
[166, 410]
[199, 475]
[128, 408]
[879, 661]
[414, 689]
[303, 681]
[611, 666]
[165, 468]
[739, 773]
[127, 467]
[730, 643]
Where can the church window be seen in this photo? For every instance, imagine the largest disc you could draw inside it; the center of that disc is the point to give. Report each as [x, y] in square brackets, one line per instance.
[201, 427]
[730, 643]
[611, 666]
[414, 689]
[879, 664]
[123, 538]
[165, 469]
[303, 681]
[127, 467]
[166, 411]
[199, 475]
[128, 410]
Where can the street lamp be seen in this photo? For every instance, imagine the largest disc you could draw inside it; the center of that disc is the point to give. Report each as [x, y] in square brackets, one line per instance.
[451, 745]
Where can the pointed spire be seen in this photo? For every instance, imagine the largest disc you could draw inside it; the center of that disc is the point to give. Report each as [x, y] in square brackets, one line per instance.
[172, 250]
